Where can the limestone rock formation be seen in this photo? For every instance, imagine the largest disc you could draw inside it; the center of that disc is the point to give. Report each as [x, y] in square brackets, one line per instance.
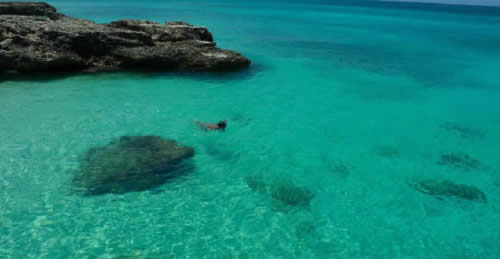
[34, 37]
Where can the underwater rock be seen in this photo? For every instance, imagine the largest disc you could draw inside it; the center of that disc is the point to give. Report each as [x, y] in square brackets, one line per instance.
[462, 161]
[462, 130]
[34, 37]
[286, 193]
[130, 163]
[447, 189]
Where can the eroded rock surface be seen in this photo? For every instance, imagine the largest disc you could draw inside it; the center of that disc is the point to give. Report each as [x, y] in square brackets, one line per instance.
[131, 163]
[34, 37]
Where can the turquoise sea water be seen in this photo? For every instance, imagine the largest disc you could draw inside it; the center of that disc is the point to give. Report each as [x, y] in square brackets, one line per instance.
[350, 101]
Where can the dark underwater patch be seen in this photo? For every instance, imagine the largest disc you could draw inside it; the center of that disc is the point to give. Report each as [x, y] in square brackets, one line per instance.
[387, 151]
[463, 131]
[443, 189]
[131, 163]
[459, 160]
[285, 194]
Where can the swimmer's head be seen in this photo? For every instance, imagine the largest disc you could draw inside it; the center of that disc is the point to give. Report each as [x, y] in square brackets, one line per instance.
[222, 124]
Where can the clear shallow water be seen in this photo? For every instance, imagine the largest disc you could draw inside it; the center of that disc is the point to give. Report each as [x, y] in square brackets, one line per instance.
[372, 88]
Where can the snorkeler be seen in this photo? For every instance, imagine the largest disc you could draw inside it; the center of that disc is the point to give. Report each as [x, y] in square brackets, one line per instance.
[221, 125]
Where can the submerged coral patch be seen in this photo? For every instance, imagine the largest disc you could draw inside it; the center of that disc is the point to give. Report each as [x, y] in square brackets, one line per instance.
[286, 193]
[462, 161]
[463, 131]
[130, 163]
[441, 189]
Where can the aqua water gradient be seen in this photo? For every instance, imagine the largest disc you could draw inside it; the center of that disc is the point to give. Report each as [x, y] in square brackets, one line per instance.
[349, 101]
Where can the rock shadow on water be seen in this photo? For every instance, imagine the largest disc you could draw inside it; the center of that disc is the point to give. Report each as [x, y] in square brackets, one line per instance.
[150, 73]
[285, 194]
[210, 77]
[463, 131]
[131, 164]
[444, 189]
[36, 77]
[459, 160]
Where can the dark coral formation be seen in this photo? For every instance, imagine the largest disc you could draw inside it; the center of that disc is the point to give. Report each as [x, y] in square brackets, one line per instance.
[285, 194]
[35, 38]
[131, 163]
[441, 189]
[289, 194]
[463, 131]
[462, 161]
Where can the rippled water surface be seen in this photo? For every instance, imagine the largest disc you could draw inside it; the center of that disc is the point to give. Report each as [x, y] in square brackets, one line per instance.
[346, 108]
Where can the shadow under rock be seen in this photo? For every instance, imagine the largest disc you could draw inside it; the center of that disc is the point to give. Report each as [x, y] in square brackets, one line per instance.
[239, 75]
[35, 77]
[243, 74]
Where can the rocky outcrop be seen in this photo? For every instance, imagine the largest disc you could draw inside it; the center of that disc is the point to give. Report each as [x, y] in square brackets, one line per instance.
[131, 163]
[27, 8]
[35, 38]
